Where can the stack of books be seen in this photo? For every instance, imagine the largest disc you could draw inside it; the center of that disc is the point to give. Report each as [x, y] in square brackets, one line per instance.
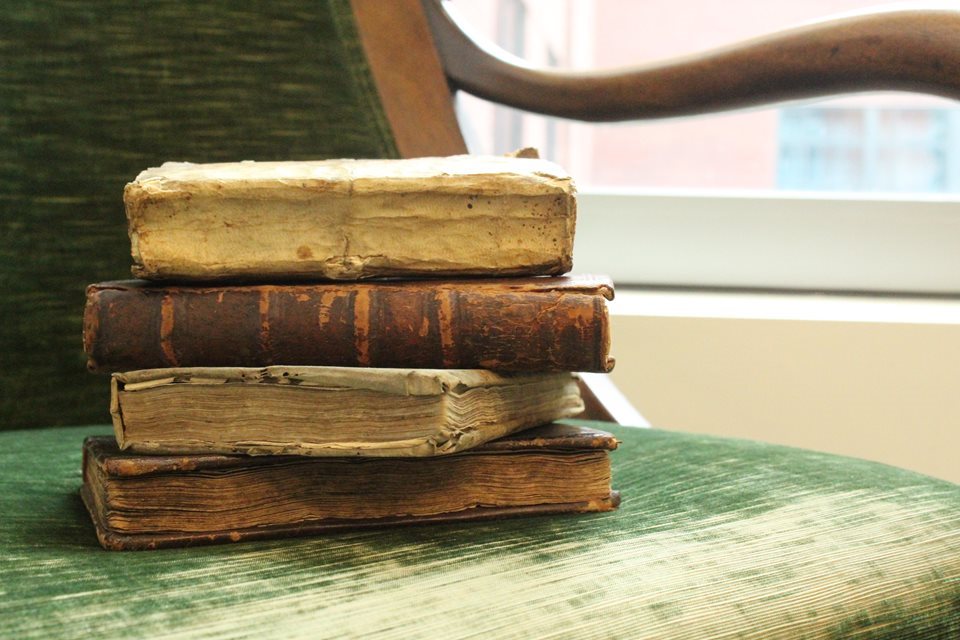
[322, 345]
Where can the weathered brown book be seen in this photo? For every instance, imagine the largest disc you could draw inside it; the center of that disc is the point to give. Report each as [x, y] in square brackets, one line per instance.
[510, 324]
[331, 411]
[349, 219]
[148, 502]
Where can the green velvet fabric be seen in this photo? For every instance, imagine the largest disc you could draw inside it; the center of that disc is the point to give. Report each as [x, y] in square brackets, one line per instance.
[91, 93]
[715, 538]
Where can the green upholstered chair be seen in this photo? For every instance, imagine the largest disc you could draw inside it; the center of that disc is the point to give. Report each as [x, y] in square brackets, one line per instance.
[715, 537]
[92, 93]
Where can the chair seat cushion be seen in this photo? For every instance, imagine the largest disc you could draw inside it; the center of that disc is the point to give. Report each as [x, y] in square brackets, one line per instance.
[715, 538]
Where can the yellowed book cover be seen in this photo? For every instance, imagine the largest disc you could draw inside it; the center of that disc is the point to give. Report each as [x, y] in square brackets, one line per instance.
[352, 219]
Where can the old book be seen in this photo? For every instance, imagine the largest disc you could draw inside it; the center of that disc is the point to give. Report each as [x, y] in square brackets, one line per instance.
[349, 219]
[331, 411]
[510, 324]
[147, 502]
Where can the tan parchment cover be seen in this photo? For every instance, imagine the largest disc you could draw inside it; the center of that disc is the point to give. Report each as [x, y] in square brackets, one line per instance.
[349, 219]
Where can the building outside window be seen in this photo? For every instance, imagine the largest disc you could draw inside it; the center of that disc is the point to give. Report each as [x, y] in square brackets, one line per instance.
[869, 148]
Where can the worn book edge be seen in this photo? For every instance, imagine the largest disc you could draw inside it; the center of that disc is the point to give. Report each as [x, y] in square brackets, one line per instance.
[121, 463]
[444, 440]
[572, 283]
[406, 382]
[348, 177]
[143, 295]
[115, 541]
[101, 452]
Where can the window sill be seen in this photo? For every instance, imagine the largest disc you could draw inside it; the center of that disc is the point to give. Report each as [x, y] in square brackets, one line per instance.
[814, 307]
[771, 240]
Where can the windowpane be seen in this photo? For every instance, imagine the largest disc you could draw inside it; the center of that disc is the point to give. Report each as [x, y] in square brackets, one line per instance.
[882, 142]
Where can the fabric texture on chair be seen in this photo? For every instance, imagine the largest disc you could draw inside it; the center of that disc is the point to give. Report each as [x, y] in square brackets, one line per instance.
[715, 538]
[93, 93]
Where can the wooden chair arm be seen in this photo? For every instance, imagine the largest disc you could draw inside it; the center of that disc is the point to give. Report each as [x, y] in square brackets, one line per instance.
[910, 50]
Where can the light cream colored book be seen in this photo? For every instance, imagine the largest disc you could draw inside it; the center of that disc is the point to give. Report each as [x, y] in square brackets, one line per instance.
[351, 219]
[331, 411]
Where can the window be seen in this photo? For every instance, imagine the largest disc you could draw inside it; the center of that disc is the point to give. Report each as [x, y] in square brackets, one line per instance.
[857, 193]
[869, 148]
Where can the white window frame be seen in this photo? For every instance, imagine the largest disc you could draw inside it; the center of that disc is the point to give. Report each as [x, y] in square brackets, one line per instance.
[883, 243]
[870, 242]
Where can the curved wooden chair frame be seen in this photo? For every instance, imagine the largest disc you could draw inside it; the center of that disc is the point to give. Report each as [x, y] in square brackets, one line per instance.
[420, 55]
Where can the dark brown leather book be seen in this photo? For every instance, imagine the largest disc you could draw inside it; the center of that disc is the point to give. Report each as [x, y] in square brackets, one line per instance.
[149, 502]
[502, 324]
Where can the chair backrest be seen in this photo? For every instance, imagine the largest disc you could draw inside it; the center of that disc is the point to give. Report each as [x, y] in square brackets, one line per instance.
[94, 92]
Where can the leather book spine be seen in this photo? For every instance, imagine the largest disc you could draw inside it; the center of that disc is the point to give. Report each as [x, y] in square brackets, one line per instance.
[352, 325]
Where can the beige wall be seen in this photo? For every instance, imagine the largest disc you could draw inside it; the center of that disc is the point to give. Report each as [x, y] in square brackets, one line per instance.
[883, 391]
